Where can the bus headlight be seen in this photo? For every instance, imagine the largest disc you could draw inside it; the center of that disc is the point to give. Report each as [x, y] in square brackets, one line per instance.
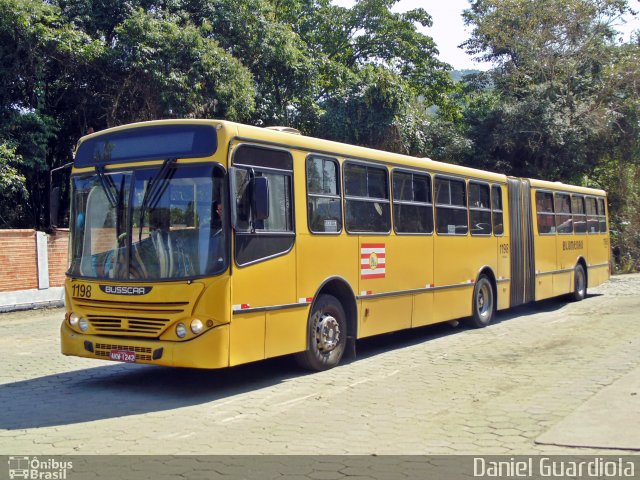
[181, 330]
[196, 326]
[73, 319]
[83, 323]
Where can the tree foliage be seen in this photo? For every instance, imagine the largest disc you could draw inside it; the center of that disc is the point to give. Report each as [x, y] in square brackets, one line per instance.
[73, 66]
[553, 83]
[160, 68]
[13, 191]
[561, 103]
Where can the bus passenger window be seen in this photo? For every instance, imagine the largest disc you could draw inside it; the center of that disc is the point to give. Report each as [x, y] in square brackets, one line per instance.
[592, 215]
[544, 210]
[602, 216]
[324, 208]
[412, 208]
[366, 199]
[496, 207]
[563, 213]
[479, 208]
[451, 206]
[579, 217]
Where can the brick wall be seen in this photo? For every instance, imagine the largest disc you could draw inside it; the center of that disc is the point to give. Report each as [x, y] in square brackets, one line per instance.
[58, 257]
[19, 263]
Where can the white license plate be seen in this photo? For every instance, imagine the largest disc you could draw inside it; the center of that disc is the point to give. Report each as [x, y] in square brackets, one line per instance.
[123, 356]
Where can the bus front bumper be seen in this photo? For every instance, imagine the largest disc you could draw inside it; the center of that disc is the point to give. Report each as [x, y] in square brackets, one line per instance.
[209, 350]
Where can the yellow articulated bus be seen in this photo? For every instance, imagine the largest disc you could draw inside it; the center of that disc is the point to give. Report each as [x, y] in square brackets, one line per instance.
[208, 244]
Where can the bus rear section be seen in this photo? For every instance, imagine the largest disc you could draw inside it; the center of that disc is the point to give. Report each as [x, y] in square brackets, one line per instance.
[571, 239]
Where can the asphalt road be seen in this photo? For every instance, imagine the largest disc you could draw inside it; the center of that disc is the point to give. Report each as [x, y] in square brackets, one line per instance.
[434, 390]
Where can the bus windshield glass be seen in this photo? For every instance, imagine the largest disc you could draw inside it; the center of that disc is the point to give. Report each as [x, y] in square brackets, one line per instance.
[149, 223]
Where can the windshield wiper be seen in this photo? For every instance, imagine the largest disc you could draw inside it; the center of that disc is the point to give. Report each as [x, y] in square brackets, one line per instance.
[153, 192]
[107, 186]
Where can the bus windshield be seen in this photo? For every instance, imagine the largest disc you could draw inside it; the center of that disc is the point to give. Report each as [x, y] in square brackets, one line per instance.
[159, 223]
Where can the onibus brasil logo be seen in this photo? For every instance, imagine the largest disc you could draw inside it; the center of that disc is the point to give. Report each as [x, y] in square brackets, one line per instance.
[38, 469]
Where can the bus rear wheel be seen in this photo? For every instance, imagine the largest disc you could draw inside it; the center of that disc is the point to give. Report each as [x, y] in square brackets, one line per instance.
[326, 335]
[579, 284]
[483, 303]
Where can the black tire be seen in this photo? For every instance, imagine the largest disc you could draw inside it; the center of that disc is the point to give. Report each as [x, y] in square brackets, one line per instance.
[326, 335]
[482, 303]
[579, 284]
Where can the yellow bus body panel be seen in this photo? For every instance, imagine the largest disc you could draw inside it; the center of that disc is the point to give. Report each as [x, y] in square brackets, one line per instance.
[382, 315]
[265, 284]
[209, 350]
[455, 274]
[247, 338]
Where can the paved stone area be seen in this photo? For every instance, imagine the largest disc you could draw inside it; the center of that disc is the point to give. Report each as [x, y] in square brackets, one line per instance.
[609, 419]
[436, 390]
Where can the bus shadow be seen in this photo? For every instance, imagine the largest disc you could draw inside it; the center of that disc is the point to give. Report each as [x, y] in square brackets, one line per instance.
[373, 346]
[119, 390]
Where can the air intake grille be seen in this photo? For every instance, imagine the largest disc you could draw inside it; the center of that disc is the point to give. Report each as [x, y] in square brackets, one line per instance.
[131, 319]
[140, 325]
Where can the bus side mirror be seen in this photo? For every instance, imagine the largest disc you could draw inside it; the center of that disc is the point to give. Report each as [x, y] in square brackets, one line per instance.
[260, 198]
[54, 206]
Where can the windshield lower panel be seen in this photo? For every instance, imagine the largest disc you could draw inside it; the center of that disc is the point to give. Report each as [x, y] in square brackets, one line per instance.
[163, 226]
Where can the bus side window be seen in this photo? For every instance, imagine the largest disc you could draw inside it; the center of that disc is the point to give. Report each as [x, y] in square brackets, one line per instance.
[544, 211]
[412, 207]
[579, 217]
[602, 216]
[366, 199]
[324, 210]
[592, 215]
[563, 213]
[496, 208]
[480, 208]
[451, 206]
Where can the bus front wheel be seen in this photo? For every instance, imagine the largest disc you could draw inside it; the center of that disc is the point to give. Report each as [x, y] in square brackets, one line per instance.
[579, 284]
[483, 303]
[326, 335]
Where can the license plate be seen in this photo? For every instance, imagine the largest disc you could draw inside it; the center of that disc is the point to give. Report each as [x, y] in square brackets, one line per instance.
[123, 356]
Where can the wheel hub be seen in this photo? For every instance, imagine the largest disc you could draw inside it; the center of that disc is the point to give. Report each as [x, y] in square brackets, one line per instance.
[327, 333]
[484, 301]
[581, 282]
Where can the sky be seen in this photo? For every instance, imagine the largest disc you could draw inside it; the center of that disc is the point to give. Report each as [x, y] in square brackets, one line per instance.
[449, 29]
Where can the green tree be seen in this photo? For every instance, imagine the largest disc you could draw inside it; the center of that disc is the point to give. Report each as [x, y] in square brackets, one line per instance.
[161, 67]
[551, 80]
[562, 102]
[13, 190]
[378, 75]
[251, 31]
[39, 55]
[58, 80]
[72, 66]
[619, 170]
[367, 112]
